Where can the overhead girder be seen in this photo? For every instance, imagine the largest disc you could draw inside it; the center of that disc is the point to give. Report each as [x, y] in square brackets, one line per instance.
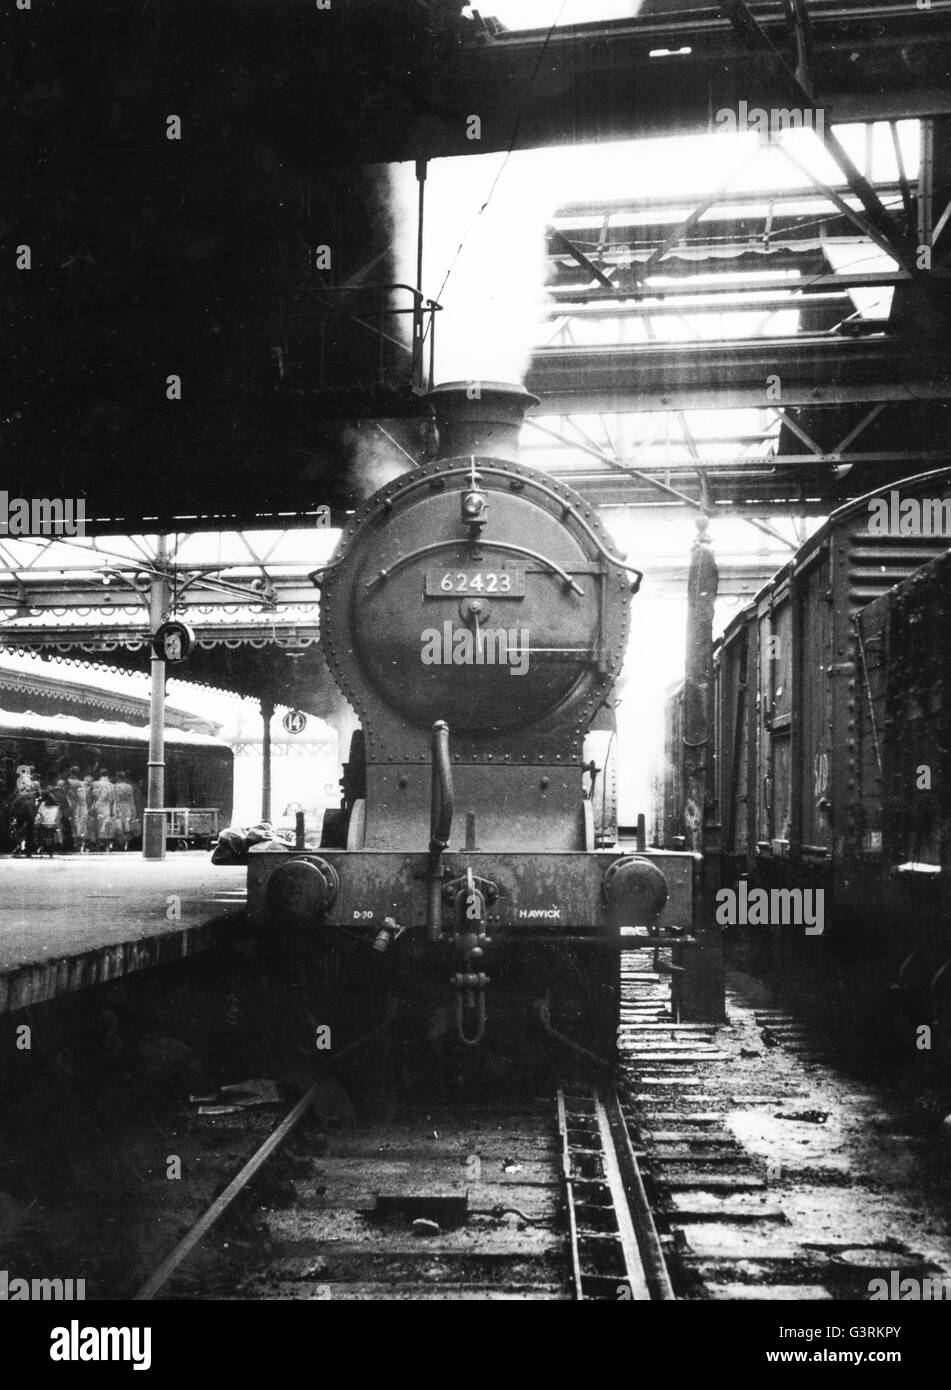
[733, 374]
[743, 299]
[728, 238]
[745, 466]
[732, 202]
[87, 594]
[791, 87]
[754, 499]
[668, 74]
[565, 296]
[864, 61]
[852, 370]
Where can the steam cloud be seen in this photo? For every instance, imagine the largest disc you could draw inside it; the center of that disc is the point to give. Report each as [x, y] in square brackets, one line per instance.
[494, 297]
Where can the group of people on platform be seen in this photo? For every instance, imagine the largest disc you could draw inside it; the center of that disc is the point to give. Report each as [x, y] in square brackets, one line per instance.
[73, 812]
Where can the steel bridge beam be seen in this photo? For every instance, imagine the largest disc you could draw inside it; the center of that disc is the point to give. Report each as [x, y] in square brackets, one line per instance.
[733, 374]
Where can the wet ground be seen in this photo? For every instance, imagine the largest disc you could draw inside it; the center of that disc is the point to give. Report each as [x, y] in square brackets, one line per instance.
[106, 1160]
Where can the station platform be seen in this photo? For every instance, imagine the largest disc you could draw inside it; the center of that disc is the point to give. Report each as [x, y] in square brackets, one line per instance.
[69, 923]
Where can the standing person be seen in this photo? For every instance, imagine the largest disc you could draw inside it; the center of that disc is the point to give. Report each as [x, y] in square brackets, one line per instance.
[85, 829]
[76, 795]
[65, 836]
[23, 814]
[51, 813]
[103, 805]
[66, 827]
[125, 809]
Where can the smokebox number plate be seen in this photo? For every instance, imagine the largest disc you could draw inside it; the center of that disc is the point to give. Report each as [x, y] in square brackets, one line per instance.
[507, 583]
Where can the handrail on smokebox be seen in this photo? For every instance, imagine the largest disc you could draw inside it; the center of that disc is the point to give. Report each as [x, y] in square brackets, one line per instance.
[440, 824]
[382, 305]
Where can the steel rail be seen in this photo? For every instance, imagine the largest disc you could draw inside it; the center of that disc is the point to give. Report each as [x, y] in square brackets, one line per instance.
[157, 1281]
[604, 1189]
[624, 1214]
[569, 1198]
[648, 1239]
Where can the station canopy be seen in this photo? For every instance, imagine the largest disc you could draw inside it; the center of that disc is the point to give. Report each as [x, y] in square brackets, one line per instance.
[246, 596]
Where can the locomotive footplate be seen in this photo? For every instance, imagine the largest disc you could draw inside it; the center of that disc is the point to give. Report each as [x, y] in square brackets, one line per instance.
[545, 895]
[500, 911]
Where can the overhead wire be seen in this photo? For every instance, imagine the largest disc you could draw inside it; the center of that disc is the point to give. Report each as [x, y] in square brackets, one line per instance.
[511, 147]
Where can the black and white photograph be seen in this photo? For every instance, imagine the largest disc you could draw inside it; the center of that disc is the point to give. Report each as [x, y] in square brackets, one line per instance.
[475, 669]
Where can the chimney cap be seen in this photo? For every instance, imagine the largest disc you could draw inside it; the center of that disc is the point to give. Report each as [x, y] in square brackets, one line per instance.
[497, 392]
[487, 424]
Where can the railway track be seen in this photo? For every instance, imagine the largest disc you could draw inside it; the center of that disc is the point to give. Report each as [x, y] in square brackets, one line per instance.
[539, 1202]
[637, 1188]
[723, 1233]
[614, 1247]
[740, 1218]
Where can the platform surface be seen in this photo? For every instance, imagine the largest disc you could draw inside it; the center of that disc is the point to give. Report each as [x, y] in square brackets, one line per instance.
[78, 920]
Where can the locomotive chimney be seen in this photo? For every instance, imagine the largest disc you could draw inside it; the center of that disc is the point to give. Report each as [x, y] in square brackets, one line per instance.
[479, 417]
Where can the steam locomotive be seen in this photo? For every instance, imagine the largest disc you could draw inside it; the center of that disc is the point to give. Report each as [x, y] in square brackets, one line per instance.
[476, 617]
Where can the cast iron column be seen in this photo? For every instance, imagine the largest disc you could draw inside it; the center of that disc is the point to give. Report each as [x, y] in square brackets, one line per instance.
[153, 817]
